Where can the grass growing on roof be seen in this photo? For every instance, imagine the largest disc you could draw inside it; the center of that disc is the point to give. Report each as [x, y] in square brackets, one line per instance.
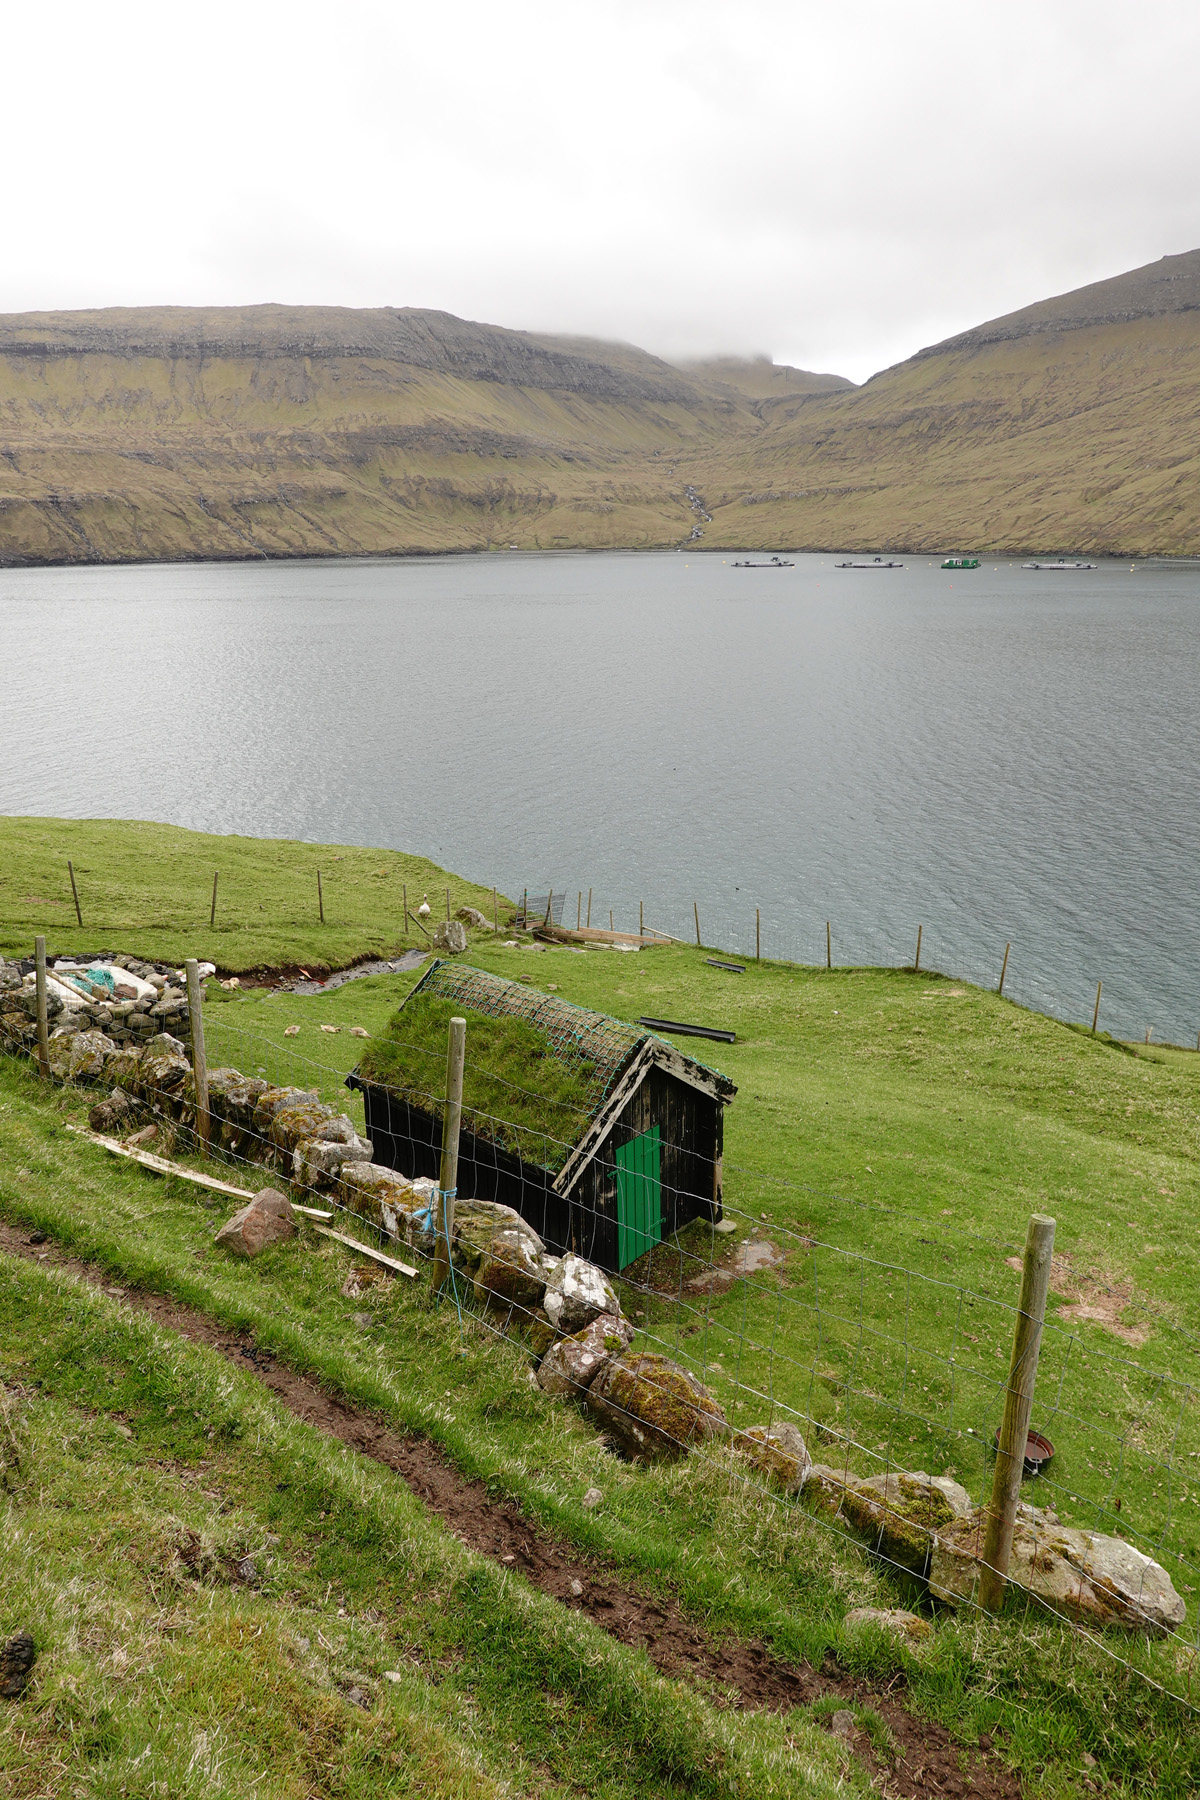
[516, 1092]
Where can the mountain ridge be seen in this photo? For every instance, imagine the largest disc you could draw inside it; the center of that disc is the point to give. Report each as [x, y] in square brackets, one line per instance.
[167, 433]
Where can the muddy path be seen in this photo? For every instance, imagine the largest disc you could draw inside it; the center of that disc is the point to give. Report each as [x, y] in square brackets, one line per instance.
[926, 1760]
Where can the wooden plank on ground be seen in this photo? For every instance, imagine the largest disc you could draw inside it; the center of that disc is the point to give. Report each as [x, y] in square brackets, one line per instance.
[161, 1166]
[389, 1262]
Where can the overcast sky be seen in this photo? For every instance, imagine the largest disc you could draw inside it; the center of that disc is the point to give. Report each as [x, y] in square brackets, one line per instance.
[834, 184]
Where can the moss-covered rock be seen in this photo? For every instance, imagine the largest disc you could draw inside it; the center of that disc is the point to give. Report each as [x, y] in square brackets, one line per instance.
[380, 1196]
[897, 1515]
[81, 1055]
[274, 1100]
[291, 1125]
[511, 1273]
[477, 1223]
[653, 1409]
[778, 1452]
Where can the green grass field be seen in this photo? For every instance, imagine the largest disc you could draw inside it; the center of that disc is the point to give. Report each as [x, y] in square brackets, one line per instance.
[896, 1131]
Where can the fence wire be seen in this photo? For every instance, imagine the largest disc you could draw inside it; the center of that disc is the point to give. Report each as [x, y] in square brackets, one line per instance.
[884, 1368]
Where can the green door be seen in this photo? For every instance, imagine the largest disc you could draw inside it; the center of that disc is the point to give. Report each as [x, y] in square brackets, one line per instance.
[639, 1196]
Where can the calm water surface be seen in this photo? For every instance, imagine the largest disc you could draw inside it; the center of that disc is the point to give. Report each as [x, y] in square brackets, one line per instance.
[994, 755]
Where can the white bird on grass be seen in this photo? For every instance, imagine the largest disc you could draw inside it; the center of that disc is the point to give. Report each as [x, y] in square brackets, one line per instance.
[424, 909]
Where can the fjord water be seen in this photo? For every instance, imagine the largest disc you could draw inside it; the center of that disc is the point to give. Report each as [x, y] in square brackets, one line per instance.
[995, 755]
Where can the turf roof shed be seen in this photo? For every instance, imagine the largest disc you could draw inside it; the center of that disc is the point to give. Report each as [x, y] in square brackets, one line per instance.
[603, 1136]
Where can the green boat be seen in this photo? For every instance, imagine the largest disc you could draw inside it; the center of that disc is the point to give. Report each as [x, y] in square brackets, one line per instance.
[961, 562]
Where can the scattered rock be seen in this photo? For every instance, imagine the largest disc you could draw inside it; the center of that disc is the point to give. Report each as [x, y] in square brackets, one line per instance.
[17, 1658]
[777, 1451]
[842, 1724]
[359, 1697]
[592, 1499]
[577, 1588]
[907, 1625]
[470, 915]
[266, 1220]
[1093, 1579]
[163, 1044]
[576, 1293]
[652, 1408]
[571, 1365]
[450, 936]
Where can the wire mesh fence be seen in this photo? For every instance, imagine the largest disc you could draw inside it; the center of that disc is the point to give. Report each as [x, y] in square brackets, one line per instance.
[887, 1364]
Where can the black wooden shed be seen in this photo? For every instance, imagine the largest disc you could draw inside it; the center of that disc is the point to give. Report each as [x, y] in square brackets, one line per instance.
[625, 1150]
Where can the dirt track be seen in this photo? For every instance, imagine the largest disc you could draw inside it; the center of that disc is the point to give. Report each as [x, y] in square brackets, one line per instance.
[928, 1760]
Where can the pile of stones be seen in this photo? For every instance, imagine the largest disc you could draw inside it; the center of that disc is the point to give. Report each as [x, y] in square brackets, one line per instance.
[125, 1012]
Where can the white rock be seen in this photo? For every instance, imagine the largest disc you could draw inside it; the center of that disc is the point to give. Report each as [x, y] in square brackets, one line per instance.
[576, 1293]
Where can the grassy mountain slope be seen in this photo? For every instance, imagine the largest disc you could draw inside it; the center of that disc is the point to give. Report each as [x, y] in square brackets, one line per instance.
[298, 431]
[1069, 426]
[177, 432]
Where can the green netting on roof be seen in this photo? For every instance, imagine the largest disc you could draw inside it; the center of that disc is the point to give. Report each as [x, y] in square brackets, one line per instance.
[590, 1045]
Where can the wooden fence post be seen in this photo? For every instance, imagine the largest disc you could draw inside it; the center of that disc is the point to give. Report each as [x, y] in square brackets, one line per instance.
[579, 910]
[589, 915]
[447, 902]
[75, 894]
[828, 946]
[456, 1049]
[917, 957]
[320, 898]
[1018, 1404]
[212, 911]
[195, 994]
[1096, 1008]
[43, 1019]
[1004, 969]
[696, 910]
[495, 913]
[405, 931]
[611, 926]
[641, 918]
[757, 935]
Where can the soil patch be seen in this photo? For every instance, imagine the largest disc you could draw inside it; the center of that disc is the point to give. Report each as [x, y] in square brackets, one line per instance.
[926, 1759]
[1100, 1301]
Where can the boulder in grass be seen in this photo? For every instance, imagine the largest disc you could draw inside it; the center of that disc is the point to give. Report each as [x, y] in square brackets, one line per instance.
[471, 915]
[653, 1409]
[268, 1219]
[450, 936]
[512, 1273]
[1082, 1575]
[577, 1293]
[777, 1451]
[112, 1114]
[569, 1367]
[907, 1625]
[164, 1076]
[17, 1658]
